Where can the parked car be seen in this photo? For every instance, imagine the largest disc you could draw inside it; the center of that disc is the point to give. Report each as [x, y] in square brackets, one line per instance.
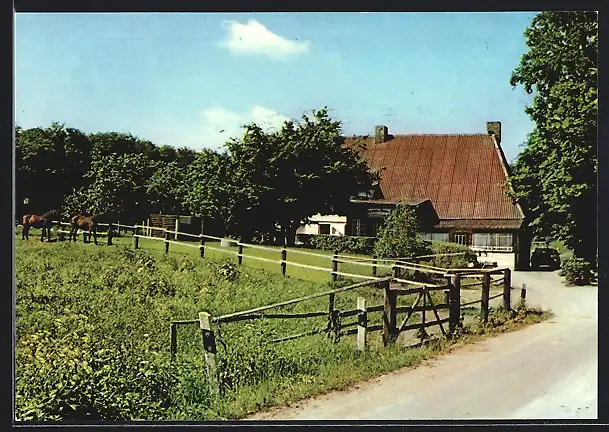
[545, 257]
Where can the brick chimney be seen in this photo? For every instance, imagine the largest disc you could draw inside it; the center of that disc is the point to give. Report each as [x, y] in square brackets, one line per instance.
[494, 128]
[381, 134]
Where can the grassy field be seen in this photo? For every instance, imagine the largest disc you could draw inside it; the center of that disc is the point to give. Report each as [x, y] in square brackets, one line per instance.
[92, 328]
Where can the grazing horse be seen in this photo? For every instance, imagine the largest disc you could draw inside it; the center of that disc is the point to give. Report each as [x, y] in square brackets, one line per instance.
[45, 221]
[89, 223]
[25, 223]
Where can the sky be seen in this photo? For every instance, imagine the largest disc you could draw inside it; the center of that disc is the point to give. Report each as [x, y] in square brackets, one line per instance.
[193, 79]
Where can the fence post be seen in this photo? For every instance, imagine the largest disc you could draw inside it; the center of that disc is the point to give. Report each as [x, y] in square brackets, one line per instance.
[373, 267]
[177, 226]
[334, 266]
[240, 255]
[284, 254]
[209, 345]
[136, 241]
[173, 339]
[455, 301]
[166, 241]
[486, 288]
[331, 314]
[202, 247]
[507, 289]
[523, 293]
[110, 234]
[395, 272]
[362, 323]
[118, 227]
[390, 332]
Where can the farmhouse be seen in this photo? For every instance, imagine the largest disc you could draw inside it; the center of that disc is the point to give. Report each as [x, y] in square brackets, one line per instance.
[456, 182]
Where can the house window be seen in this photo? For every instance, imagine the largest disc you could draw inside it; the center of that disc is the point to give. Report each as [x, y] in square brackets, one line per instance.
[437, 236]
[492, 241]
[358, 227]
[460, 238]
[376, 226]
[324, 228]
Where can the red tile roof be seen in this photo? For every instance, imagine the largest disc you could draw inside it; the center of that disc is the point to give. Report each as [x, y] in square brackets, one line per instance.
[462, 175]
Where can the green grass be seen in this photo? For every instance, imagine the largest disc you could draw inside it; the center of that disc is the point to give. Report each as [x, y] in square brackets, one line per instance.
[92, 335]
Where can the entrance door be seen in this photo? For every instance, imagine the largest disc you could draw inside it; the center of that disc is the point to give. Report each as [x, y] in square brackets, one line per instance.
[460, 238]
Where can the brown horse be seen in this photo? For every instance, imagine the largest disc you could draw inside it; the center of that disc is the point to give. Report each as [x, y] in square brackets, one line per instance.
[85, 223]
[45, 221]
[89, 223]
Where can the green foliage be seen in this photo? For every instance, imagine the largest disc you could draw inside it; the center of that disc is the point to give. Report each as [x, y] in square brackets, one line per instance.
[452, 261]
[81, 377]
[226, 269]
[342, 244]
[555, 174]
[282, 173]
[115, 182]
[576, 271]
[398, 237]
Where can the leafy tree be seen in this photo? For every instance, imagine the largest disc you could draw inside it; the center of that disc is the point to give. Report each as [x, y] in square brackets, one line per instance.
[294, 173]
[117, 183]
[555, 174]
[50, 162]
[398, 238]
[165, 188]
[212, 191]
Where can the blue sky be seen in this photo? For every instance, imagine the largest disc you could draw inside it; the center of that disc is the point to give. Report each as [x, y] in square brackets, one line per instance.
[193, 79]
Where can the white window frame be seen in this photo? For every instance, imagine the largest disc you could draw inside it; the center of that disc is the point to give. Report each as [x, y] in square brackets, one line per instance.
[493, 241]
[358, 227]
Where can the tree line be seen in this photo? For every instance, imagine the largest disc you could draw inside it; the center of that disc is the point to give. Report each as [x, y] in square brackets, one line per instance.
[260, 184]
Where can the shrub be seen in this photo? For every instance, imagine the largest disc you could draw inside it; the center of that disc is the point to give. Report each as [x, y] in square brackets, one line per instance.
[453, 261]
[343, 244]
[80, 377]
[576, 271]
[398, 236]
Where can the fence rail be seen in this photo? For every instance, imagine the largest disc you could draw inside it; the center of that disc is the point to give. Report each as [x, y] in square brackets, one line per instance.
[393, 287]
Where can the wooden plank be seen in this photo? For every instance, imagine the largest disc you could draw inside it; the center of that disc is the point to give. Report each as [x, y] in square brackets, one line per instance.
[429, 308]
[507, 290]
[209, 346]
[186, 322]
[428, 286]
[362, 323]
[227, 317]
[413, 307]
[471, 302]
[496, 296]
[390, 332]
[484, 300]
[427, 324]
[435, 311]
[296, 336]
[455, 302]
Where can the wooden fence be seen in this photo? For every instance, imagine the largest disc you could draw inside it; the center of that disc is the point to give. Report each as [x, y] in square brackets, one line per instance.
[392, 287]
[109, 233]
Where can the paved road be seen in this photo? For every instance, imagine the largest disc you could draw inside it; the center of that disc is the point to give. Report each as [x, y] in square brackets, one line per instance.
[545, 371]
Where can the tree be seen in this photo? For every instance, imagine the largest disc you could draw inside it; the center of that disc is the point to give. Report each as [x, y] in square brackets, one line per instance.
[115, 183]
[165, 188]
[50, 163]
[294, 173]
[398, 238]
[212, 191]
[555, 174]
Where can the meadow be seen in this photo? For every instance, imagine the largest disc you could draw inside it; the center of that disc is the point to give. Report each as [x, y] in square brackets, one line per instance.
[92, 329]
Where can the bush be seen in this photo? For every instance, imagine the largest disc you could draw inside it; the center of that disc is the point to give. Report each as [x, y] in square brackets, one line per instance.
[576, 271]
[398, 237]
[343, 244]
[453, 261]
[81, 377]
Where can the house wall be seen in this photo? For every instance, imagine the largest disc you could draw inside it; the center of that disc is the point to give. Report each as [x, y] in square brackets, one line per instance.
[337, 225]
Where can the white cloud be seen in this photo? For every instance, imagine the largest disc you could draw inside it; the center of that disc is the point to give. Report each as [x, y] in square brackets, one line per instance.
[220, 124]
[255, 38]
